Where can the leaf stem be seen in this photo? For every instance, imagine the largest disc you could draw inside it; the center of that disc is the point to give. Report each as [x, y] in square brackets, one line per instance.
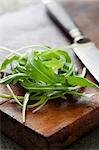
[26, 99]
[20, 98]
[14, 96]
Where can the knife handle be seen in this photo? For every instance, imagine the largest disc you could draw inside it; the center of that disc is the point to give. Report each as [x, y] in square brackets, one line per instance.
[60, 16]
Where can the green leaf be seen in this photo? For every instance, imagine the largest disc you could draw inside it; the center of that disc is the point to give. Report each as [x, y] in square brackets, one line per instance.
[76, 80]
[37, 71]
[20, 68]
[54, 63]
[11, 77]
[40, 102]
[44, 99]
[48, 55]
[8, 61]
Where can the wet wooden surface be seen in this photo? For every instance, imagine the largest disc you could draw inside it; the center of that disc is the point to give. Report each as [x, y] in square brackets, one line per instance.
[60, 122]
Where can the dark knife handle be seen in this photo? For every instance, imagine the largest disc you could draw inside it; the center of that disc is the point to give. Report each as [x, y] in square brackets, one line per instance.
[59, 14]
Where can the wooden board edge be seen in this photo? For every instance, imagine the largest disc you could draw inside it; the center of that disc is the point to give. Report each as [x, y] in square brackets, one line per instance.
[75, 130]
[32, 140]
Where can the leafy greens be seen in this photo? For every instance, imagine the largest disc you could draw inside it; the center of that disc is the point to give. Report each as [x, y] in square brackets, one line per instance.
[45, 75]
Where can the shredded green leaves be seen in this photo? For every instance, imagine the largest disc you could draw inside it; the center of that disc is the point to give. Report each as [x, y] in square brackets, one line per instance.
[45, 75]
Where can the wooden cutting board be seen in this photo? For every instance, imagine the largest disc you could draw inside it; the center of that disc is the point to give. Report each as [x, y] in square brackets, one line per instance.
[59, 123]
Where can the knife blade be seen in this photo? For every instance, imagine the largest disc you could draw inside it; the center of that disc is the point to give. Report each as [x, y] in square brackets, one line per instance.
[88, 52]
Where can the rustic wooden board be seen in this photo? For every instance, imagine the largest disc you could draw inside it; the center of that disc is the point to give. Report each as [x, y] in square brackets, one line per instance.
[60, 122]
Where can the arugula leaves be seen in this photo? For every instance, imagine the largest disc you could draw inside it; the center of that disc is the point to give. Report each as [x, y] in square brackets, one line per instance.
[74, 80]
[45, 75]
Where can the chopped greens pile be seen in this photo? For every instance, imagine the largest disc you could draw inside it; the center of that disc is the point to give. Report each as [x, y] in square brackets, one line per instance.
[45, 75]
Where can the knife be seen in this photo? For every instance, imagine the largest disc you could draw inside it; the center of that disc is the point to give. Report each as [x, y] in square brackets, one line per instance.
[88, 52]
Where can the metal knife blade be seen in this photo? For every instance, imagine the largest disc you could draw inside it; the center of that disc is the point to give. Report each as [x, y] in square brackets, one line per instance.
[88, 52]
[89, 56]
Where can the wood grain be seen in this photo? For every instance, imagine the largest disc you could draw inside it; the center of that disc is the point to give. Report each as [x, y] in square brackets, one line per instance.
[59, 123]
